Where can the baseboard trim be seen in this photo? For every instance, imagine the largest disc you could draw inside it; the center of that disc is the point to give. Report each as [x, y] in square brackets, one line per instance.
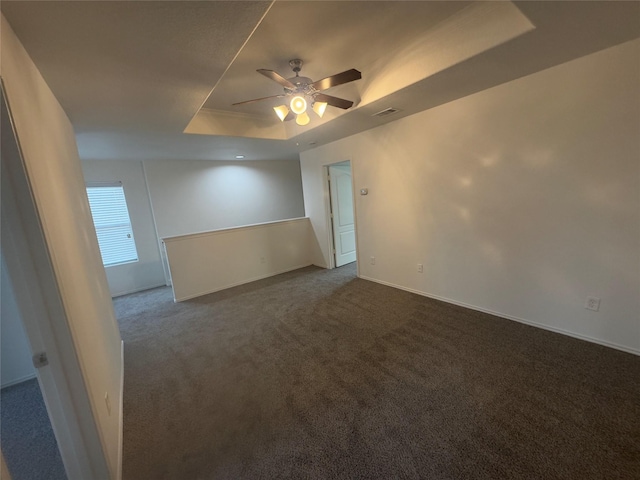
[243, 282]
[121, 419]
[531, 323]
[31, 376]
[136, 290]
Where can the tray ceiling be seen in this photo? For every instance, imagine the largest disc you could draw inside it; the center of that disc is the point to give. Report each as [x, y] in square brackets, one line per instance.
[134, 76]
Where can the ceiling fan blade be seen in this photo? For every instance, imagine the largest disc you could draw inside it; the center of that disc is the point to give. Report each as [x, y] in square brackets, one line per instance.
[275, 76]
[333, 101]
[258, 99]
[337, 79]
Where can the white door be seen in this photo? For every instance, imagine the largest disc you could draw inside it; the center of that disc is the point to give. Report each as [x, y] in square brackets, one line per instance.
[344, 235]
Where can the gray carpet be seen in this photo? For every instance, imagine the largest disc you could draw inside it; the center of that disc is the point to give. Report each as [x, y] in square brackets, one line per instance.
[26, 437]
[316, 374]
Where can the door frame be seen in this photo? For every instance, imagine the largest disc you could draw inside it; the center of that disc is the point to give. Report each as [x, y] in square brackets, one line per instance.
[43, 315]
[329, 220]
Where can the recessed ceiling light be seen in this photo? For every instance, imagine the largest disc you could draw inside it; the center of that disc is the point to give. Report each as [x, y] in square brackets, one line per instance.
[239, 157]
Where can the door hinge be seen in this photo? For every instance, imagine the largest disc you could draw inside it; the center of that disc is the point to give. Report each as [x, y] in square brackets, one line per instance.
[334, 251]
[40, 360]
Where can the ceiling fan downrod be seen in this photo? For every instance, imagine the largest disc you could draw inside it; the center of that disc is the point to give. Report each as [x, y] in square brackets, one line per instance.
[296, 65]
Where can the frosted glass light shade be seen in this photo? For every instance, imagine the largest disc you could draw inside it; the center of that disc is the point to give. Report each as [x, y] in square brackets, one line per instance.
[298, 104]
[319, 108]
[282, 111]
[303, 119]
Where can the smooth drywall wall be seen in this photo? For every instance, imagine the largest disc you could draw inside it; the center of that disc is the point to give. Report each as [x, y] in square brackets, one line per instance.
[147, 272]
[212, 261]
[520, 200]
[54, 171]
[199, 196]
[15, 353]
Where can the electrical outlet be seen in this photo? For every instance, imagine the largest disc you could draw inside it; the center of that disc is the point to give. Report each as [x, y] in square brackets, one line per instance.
[592, 303]
[373, 260]
[107, 402]
[420, 269]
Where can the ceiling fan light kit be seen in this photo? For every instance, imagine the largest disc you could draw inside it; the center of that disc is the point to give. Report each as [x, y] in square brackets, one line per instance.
[303, 91]
[282, 111]
[319, 108]
[303, 119]
[298, 104]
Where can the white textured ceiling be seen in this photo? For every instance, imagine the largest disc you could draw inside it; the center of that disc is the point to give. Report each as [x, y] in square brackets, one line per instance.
[132, 75]
[394, 44]
[132, 65]
[330, 37]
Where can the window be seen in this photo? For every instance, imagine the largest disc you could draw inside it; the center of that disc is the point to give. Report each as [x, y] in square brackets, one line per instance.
[113, 226]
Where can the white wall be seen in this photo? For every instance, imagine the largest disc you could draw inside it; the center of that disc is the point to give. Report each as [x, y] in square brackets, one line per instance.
[15, 353]
[147, 272]
[55, 174]
[521, 200]
[199, 196]
[212, 261]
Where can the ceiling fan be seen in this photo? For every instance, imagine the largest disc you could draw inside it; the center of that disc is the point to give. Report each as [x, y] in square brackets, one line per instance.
[301, 91]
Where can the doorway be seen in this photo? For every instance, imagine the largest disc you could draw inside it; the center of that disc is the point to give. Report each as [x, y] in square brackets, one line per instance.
[342, 214]
[59, 389]
[28, 443]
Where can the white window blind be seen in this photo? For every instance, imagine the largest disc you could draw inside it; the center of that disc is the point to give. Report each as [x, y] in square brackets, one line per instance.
[113, 226]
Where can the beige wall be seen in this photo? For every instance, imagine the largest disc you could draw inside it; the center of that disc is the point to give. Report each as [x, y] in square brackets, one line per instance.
[4, 471]
[212, 261]
[15, 352]
[54, 170]
[147, 272]
[521, 200]
[198, 196]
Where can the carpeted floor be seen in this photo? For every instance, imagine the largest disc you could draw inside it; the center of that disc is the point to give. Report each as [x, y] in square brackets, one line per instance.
[26, 437]
[316, 374]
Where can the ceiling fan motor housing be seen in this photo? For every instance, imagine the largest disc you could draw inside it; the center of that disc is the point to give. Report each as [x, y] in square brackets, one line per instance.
[303, 84]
